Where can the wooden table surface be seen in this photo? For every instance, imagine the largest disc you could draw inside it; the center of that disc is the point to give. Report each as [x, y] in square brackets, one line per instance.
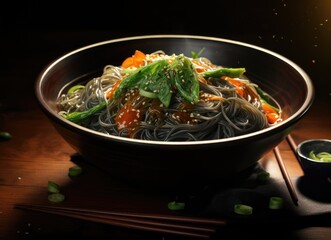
[37, 154]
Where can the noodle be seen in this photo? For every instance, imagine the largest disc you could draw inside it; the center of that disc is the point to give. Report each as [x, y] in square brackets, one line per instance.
[224, 106]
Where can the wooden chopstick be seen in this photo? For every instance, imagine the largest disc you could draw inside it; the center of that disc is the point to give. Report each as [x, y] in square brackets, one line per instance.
[291, 142]
[286, 176]
[167, 224]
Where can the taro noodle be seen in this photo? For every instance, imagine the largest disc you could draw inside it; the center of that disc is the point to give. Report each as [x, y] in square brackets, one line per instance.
[162, 97]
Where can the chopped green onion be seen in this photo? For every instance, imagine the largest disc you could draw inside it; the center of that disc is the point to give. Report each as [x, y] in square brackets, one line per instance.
[276, 203]
[74, 171]
[52, 187]
[56, 197]
[230, 72]
[321, 156]
[5, 136]
[176, 205]
[263, 176]
[74, 88]
[197, 55]
[243, 209]
[312, 155]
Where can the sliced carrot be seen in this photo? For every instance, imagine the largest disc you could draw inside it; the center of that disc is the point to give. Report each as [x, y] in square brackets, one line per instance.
[233, 81]
[135, 60]
[268, 109]
[238, 84]
[128, 62]
[110, 93]
[139, 56]
[271, 114]
[273, 117]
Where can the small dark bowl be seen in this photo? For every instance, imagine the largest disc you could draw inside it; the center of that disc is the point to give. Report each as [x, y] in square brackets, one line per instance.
[177, 164]
[311, 167]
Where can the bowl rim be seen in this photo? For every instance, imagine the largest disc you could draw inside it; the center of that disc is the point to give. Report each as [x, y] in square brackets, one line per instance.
[303, 156]
[292, 119]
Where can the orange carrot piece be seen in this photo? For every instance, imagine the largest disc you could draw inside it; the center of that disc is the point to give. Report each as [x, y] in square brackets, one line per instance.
[268, 109]
[128, 62]
[139, 55]
[271, 114]
[238, 84]
[273, 117]
[135, 60]
[110, 94]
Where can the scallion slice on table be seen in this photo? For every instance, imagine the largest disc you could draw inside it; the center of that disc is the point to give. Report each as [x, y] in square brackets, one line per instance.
[5, 135]
[74, 171]
[243, 209]
[276, 203]
[54, 192]
[56, 197]
[176, 205]
[53, 187]
[263, 176]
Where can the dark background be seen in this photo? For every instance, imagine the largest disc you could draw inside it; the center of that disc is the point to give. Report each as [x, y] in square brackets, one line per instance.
[299, 30]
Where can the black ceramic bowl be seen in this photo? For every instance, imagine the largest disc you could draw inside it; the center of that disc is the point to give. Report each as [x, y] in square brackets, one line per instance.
[314, 167]
[176, 164]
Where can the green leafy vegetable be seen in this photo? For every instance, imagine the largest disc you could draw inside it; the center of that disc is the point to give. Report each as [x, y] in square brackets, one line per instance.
[158, 79]
[143, 74]
[185, 78]
[159, 84]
